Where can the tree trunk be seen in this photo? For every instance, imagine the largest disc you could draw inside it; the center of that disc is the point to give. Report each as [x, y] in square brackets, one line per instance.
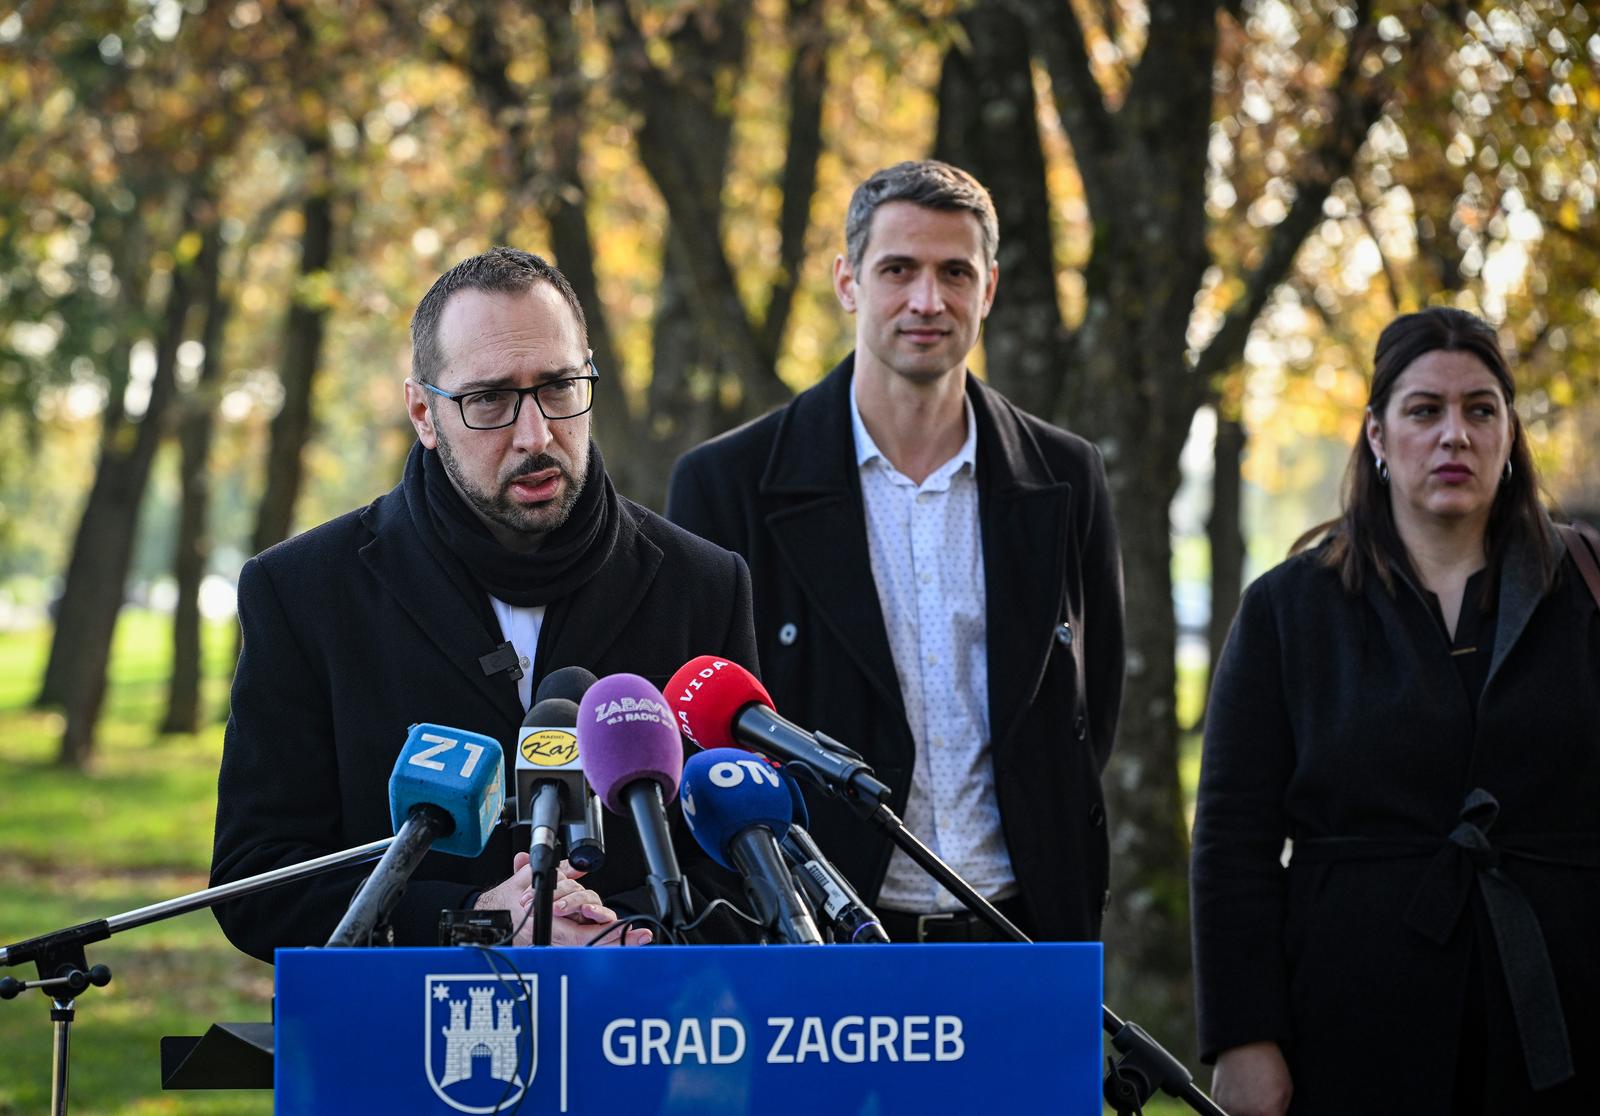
[103, 548]
[1225, 529]
[302, 350]
[192, 551]
[675, 105]
[988, 124]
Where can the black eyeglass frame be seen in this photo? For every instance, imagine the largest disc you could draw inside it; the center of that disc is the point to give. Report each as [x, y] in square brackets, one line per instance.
[459, 398]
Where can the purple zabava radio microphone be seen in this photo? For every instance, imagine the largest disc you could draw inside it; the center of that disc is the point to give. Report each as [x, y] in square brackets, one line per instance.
[633, 757]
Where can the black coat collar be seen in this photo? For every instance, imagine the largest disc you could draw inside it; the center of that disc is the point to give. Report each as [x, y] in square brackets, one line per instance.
[588, 622]
[812, 481]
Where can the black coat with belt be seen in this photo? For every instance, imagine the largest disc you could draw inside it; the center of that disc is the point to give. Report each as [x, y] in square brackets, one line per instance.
[353, 632]
[784, 492]
[1341, 722]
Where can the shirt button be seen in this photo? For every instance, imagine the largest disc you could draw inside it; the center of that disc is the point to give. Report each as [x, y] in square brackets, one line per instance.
[1064, 634]
[933, 660]
[1080, 727]
[787, 634]
[1097, 815]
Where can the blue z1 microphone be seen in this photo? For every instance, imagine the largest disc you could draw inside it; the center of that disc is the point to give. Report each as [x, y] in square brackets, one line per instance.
[738, 809]
[446, 792]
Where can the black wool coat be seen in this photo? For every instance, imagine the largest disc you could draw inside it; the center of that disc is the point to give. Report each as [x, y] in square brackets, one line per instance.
[1340, 722]
[785, 492]
[353, 632]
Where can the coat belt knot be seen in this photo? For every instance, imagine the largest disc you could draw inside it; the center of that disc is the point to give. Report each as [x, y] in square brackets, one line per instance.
[1468, 855]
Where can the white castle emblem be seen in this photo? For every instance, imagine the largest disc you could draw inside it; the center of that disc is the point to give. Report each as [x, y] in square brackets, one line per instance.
[483, 1039]
[464, 1042]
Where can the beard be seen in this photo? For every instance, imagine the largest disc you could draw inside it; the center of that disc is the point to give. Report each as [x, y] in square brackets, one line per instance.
[496, 507]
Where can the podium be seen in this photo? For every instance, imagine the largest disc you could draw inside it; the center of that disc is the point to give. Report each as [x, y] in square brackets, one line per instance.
[692, 1029]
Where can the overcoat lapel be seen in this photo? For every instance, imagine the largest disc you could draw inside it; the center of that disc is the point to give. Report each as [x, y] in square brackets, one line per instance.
[405, 567]
[1521, 589]
[819, 528]
[1024, 513]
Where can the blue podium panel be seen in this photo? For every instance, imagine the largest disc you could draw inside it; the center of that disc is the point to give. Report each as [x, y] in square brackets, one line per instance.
[699, 1030]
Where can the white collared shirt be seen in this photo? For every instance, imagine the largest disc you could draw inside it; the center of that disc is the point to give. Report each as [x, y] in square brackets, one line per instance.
[926, 548]
[520, 625]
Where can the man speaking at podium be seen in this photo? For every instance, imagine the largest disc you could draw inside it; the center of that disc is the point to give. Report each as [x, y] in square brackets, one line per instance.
[937, 580]
[503, 554]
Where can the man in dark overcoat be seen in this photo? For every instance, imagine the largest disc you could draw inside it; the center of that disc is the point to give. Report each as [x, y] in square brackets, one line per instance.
[937, 580]
[503, 554]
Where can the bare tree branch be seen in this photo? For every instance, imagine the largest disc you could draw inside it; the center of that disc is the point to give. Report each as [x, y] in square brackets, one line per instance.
[1080, 102]
[694, 205]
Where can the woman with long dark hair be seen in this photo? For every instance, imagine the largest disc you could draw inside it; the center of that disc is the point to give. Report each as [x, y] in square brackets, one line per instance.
[1412, 702]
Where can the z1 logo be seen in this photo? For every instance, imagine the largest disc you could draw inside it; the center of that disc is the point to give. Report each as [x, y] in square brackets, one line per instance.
[441, 745]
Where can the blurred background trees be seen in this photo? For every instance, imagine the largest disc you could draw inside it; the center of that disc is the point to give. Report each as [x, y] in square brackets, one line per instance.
[216, 216]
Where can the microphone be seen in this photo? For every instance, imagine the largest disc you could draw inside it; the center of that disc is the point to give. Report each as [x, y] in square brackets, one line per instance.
[551, 789]
[446, 792]
[738, 809]
[569, 682]
[851, 920]
[633, 757]
[717, 703]
[584, 839]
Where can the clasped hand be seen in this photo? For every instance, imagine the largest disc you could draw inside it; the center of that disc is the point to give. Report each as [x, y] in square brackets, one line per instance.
[580, 915]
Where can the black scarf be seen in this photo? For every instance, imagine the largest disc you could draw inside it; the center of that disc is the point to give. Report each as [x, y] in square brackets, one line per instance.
[452, 531]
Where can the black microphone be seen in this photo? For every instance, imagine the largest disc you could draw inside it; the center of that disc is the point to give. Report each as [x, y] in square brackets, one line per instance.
[570, 682]
[737, 808]
[831, 894]
[584, 839]
[827, 889]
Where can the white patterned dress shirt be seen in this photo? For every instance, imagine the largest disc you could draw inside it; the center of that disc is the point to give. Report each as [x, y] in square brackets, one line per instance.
[926, 548]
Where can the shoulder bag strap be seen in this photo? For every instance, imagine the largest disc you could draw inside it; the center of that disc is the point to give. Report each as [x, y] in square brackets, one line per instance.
[1583, 542]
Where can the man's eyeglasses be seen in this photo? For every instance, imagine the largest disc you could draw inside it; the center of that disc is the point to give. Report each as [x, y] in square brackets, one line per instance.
[495, 408]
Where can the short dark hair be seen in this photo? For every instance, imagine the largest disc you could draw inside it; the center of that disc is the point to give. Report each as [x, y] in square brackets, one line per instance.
[500, 270]
[926, 182]
[1364, 536]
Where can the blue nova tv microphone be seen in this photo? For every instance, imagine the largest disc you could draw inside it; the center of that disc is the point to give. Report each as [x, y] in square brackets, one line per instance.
[738, 809]
[446, 793]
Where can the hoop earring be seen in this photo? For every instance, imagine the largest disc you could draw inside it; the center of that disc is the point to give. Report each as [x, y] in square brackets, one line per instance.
[1383, 472]
[1506, 474]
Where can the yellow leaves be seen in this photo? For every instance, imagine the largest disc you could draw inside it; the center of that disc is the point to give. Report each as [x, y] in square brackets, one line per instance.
[522, 71]
[316, 291]
[1560, 392]
[1568, 216]
[187, 248]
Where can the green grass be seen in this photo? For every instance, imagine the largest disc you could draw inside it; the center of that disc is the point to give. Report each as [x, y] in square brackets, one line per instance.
[133, 829]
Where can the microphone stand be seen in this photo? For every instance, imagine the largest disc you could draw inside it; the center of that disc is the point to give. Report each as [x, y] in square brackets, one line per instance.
[64, 969]
[1145, 1065]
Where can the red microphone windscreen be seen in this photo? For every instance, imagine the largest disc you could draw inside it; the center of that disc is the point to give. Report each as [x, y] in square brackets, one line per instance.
[706, 695]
